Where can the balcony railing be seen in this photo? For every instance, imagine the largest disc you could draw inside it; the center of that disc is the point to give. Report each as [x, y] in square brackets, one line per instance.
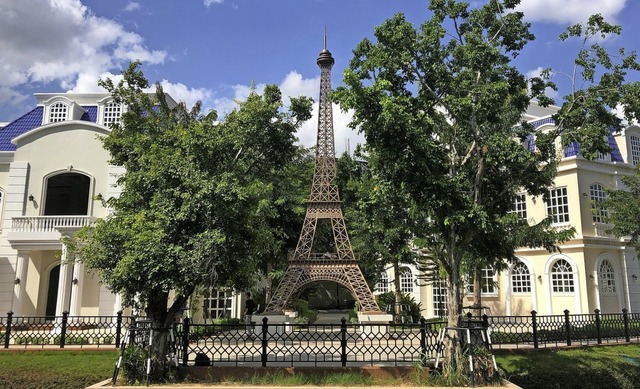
[600, 230]
[48, 223]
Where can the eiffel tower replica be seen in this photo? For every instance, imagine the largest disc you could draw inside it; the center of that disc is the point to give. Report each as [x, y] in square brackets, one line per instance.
[324, 202]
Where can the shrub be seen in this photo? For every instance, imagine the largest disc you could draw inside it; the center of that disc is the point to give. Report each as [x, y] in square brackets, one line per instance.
[414, 312]
[134, 366]
[305, 314]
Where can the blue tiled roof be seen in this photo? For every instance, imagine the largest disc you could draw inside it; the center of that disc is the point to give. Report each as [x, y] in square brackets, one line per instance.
[26, 122]
[616, 156]
[31, 120]
[91, 113]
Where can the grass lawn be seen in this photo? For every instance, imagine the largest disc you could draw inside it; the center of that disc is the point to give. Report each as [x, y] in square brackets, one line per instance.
[598, 367]
[608, 367]
[55, 369]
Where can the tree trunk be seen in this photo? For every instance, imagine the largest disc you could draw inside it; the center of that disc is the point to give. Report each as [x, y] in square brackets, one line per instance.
[398, 293]
[268, 288]
[161, 321]
[477, 290]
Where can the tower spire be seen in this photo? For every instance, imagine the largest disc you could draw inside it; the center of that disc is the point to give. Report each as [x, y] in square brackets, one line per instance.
[341, 266]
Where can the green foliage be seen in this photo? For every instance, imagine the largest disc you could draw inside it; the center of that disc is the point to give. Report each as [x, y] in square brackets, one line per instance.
[413, 314]
[197, 202]
[134, 364]
[441, 110]
[306, 315]
[624, 207]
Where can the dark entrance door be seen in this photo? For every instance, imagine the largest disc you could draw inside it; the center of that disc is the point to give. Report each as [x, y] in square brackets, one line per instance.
[52, 292]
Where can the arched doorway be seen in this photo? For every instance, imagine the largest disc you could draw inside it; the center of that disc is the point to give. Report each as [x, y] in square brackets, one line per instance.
[67, 194]
[52, 292]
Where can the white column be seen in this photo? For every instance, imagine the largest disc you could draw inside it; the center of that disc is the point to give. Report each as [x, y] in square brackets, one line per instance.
[77, 284]
[64, 283]
[19, 287]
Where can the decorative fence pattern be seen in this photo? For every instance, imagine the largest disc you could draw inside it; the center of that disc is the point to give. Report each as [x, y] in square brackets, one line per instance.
[563, 330]
[60, 331]
[307, 345]
[265, 344]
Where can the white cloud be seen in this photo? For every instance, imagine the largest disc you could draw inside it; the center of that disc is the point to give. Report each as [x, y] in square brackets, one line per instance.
[569, 11]
[63, 42]
[189, 96]
[132, 6]
[294, 85]
[212, 2]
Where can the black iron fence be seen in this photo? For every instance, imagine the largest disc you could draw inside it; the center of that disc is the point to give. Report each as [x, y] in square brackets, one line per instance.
[267, 344]
[270, 344]
[563, 330]
[61, 331]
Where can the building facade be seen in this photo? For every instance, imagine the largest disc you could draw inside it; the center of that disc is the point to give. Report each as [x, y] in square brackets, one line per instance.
[594, 270]
[54, 170]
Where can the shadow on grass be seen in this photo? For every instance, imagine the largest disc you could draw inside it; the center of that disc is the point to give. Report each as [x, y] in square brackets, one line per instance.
[609, 367]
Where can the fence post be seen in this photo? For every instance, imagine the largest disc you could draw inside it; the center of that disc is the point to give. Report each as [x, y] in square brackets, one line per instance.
[63, 335]
[423, 340]
[185, 340]
[469, 316]
[132, 330]
[343, 342]
[534, 323]
[7, 334]
[598, 327]
[265, 330]
[625, 318]
[118, 328]
[567, 325]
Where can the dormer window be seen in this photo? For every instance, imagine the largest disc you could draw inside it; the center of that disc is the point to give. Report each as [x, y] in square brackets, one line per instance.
[58, 112]
[112, 113]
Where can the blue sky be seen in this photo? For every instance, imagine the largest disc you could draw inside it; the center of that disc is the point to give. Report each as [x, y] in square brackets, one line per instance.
[211, 50]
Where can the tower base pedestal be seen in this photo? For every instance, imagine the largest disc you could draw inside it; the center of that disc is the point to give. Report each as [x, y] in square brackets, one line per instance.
[374, 324]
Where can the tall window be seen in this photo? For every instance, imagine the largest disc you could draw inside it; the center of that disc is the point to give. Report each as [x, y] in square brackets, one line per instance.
[218, 304]
[558, 205]
[383, 284]
[606, 277]
[439, 290]
[635, 149]
[406, 281]
[57, 112]
[598, 196]
[520, 205]
[112, 112]
[520, 278]
[488, 281]
[562, 277]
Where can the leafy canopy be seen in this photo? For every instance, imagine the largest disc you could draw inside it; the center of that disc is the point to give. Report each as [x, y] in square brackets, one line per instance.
[196, 193]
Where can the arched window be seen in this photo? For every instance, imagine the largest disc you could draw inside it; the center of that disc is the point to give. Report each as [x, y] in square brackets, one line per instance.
[67, 194]
[439, 290]
[383, 284]
[598, 196]
[57, 112]
[406, 281]
[520, 278]
[562, 277]
[606, 277]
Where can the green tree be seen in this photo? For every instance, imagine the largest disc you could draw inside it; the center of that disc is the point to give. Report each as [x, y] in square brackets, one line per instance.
[441, 109]
[196, 199]
[624, 209]
[379, 219]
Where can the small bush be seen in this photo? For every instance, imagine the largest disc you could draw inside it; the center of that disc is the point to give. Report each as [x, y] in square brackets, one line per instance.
[414, 312]
[305, 314]
[134, 363]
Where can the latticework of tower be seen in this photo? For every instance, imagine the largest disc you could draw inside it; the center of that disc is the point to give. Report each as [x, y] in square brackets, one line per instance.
[306, 266]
